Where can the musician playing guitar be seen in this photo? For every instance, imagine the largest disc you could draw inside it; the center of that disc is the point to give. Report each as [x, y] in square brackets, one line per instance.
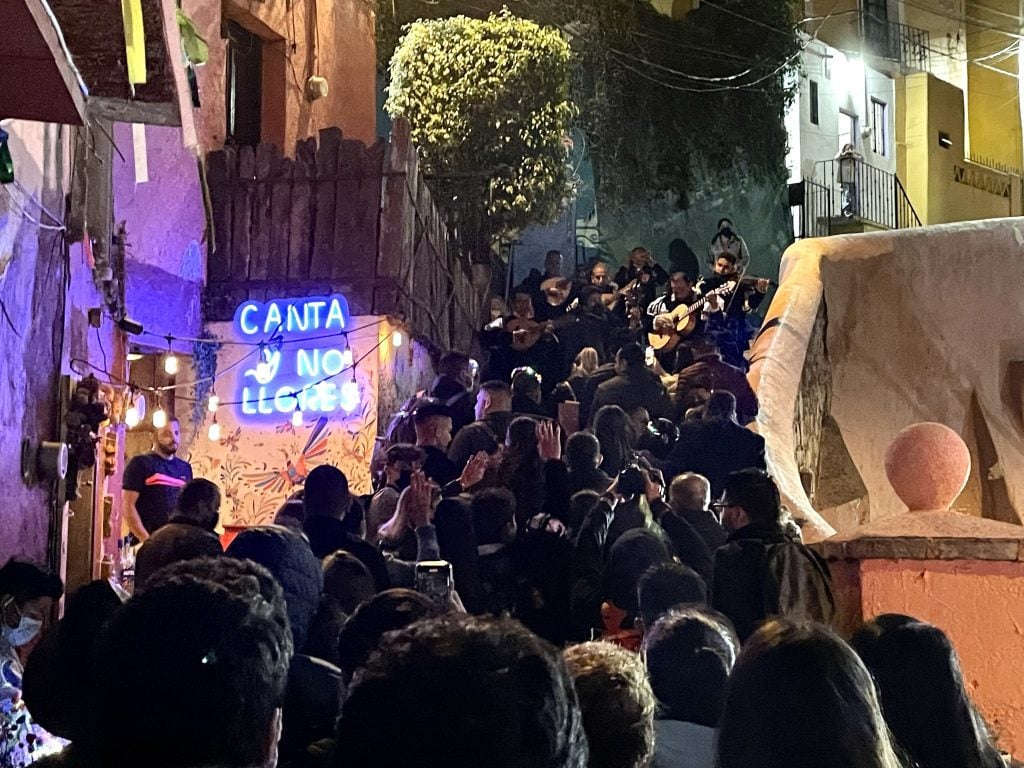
[519, 340]
[659, 320]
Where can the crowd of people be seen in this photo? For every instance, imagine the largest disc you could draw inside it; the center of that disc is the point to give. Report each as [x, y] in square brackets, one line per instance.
[625, 591]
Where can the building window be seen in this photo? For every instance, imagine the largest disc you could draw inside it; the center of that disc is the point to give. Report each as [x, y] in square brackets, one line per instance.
[244, 86]
[814, 102]
[879, 128]
[847, 133]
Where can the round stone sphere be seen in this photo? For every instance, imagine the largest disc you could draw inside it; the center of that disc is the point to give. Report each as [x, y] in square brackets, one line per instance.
[927, 465]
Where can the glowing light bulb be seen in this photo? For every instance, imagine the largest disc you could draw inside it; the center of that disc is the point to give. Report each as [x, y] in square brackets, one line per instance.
[213, 404]
[131, 417]
[346, 357]
[396, 339]
[349, 395]
[159, 418]
[214, 432]
[170, 364]
[296, 418]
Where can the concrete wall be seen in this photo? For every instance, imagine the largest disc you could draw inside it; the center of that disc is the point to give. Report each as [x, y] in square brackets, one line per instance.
[844, 84]
[346, 57]
[32, 273]
[980, 605]
[942, 186]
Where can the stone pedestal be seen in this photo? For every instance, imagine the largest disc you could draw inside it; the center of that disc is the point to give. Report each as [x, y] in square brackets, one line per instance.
[963, 574]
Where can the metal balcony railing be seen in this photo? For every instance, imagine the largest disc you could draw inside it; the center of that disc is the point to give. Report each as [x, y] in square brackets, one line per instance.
[850, 189]
[902, 43]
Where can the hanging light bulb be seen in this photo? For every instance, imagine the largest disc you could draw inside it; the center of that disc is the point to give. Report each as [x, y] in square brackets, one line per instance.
[159, 417]
[297, 418]
[263, 369]
[131, 416]
[346, 357]
[170, 360]
[213, 404]
[214, 431]
[350, 395]
[396, 339]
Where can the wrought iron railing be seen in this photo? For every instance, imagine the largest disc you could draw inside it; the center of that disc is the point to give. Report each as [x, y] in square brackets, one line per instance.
[849, 188]
[908, 45]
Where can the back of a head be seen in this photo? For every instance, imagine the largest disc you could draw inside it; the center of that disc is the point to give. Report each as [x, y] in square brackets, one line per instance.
[462, 691]
[756, 492]
[525, 382]
[689, 491]
[326, 492]
[631, 356]
[579, 506]
[500, 394]
[195, 667]
[199, 502]
[720, 405]
[581, 452]
[494, 510]
[291, 514]
[799, 697]
[347, 580]
[921, 689]
[587, 360]
[666, 585]
[522, 436]
[611, 428]
[25, 581]
[173, 544]
[453, 364]
[384, 612]
[617, 704]
[630, 556]
[689, 653]
[286, 554]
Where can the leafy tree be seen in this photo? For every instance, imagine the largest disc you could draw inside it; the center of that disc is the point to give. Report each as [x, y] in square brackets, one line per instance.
[666, 105]
[488, 99]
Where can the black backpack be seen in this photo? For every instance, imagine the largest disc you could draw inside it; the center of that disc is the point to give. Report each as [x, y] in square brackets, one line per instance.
[542, 567]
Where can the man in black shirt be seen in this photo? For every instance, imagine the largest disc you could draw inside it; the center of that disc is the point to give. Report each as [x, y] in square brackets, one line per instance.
[433, 434]
[152, 482]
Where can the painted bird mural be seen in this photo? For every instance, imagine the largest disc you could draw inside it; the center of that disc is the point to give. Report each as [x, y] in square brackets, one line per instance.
[295, 471]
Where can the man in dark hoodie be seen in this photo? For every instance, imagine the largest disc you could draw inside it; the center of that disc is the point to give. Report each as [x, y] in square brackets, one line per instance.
[633, 385]
[493, 414]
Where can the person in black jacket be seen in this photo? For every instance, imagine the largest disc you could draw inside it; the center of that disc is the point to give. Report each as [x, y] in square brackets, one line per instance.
[493, 415]
[764, 570]
[634, 385]
[716, 445]
[583, 458]
[689, 496]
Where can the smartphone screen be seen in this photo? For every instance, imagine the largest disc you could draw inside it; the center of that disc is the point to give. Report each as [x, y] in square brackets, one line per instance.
[434, 579]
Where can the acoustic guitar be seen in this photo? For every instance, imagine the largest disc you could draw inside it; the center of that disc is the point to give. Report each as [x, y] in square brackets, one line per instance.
[684, 320]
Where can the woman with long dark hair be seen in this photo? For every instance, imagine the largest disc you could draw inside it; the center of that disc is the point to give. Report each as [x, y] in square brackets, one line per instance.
[799, 697]
[924, 701]
[612, 430]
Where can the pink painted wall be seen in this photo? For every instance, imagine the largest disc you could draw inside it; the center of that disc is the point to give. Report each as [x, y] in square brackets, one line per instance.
[980, 605]
[346, 58]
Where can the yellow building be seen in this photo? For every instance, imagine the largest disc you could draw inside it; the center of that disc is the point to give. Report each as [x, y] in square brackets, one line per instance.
[956, 111]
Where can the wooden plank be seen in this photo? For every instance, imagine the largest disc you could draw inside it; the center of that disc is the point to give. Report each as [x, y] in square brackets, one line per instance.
[323, 238]
[300, 240]
[396, 220]
[221, 168]
[346, 207]
[281, 215]
[241, 216]
[262, 212]
[362, 245]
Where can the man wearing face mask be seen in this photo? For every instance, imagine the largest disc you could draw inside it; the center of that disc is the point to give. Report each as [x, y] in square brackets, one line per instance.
[401, 460]
[27, 594]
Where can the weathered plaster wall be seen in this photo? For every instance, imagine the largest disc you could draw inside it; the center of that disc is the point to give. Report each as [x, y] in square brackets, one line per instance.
[165, 265]
[251, 456]
[346, 58]
[32, 273]
[980, 605]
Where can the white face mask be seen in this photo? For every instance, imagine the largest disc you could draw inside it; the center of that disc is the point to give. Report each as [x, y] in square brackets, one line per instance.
[24, 633]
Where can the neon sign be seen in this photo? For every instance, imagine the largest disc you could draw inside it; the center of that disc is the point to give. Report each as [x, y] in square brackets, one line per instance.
[304, 361]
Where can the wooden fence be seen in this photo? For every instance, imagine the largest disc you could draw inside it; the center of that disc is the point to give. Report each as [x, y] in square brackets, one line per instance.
[338, 217]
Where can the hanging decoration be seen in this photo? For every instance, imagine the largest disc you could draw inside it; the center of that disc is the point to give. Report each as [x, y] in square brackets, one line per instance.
[134, 41]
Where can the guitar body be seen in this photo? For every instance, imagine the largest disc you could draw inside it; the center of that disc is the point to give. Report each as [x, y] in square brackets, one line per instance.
[532, 331]
[685, 321]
